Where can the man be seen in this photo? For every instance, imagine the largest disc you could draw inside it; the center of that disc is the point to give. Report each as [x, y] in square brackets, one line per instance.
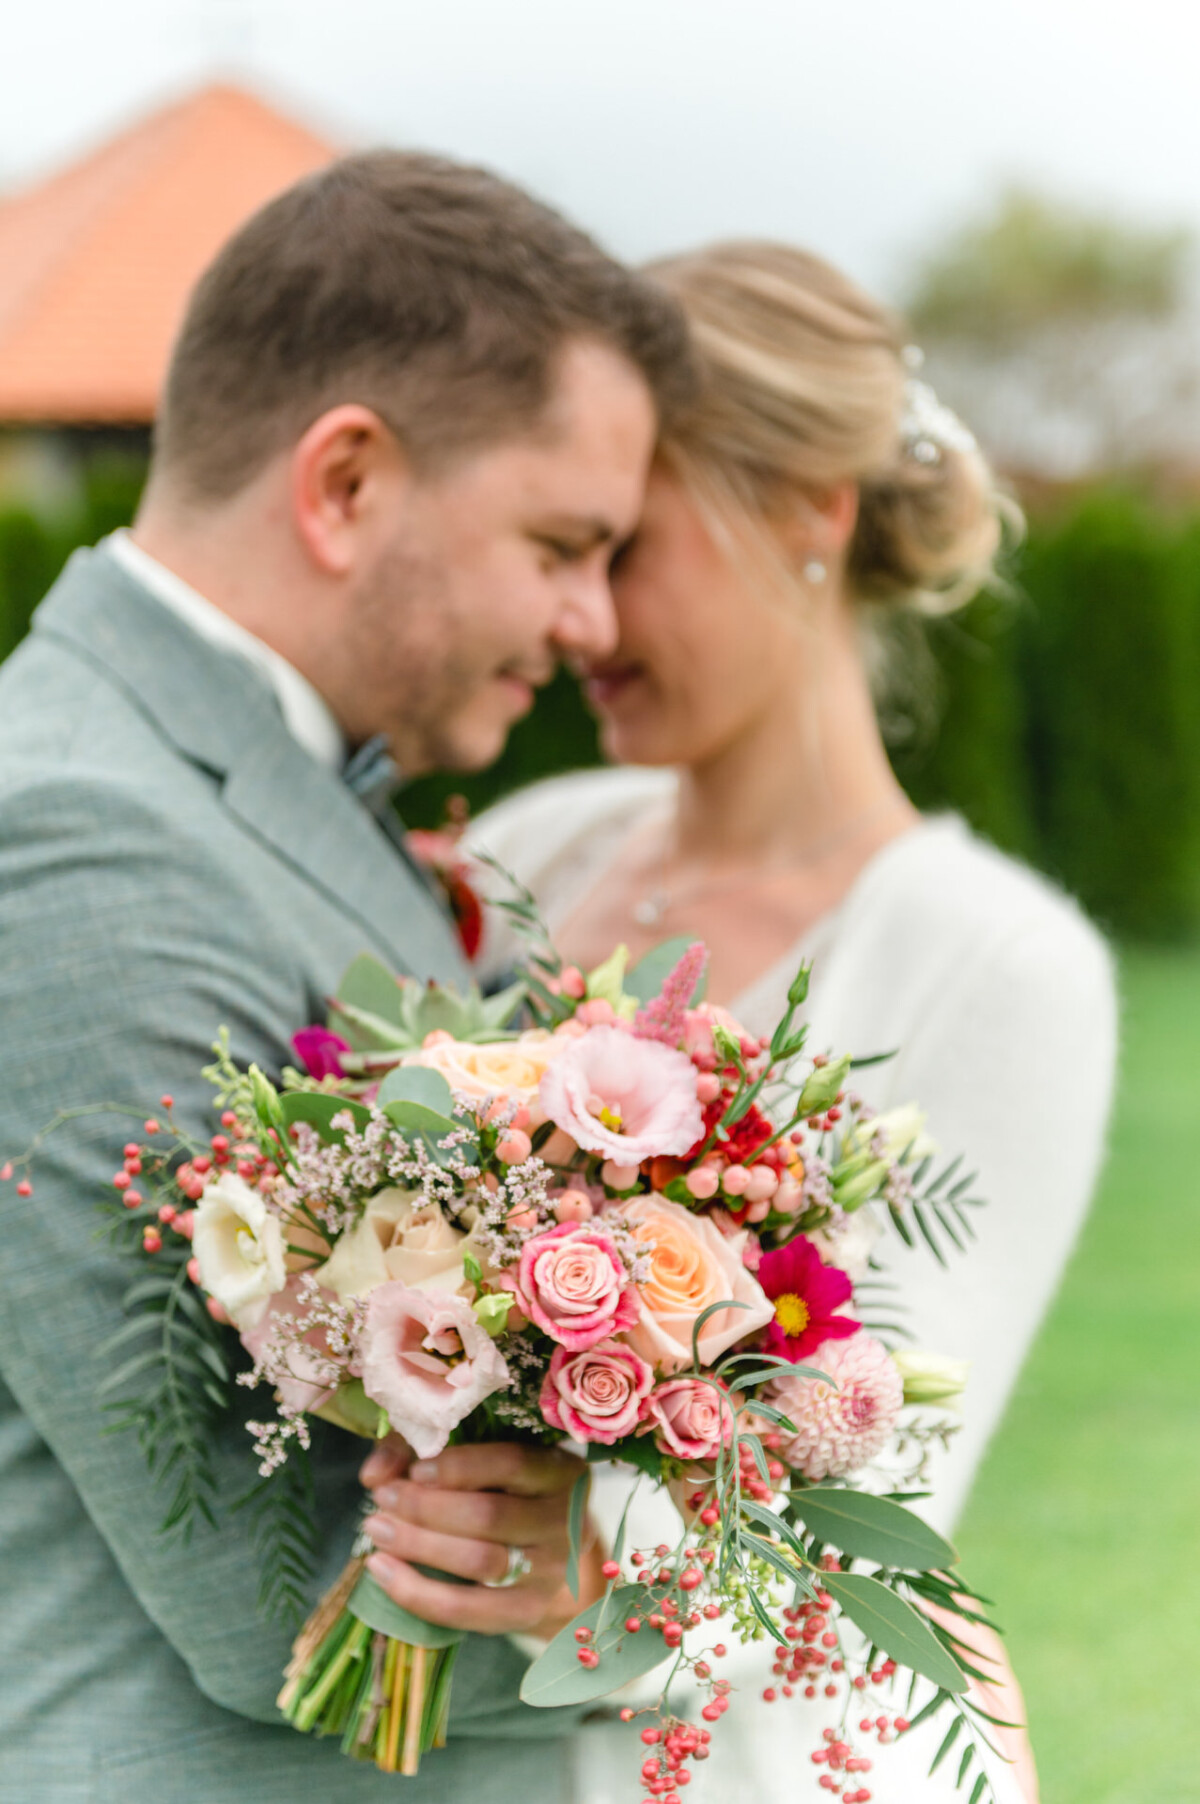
[407, 421]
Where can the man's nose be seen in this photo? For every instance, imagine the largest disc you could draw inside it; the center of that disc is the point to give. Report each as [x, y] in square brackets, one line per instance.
[587, 621]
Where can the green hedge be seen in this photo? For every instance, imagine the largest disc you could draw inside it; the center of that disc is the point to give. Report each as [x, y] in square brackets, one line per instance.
[1061, 719]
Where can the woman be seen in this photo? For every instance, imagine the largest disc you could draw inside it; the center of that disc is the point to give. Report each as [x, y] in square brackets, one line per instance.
[815, 488]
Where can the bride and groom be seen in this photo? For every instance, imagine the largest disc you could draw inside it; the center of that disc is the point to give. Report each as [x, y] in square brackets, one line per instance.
[421, 440]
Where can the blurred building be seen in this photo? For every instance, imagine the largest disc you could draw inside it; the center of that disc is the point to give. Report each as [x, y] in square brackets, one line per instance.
[98, 259]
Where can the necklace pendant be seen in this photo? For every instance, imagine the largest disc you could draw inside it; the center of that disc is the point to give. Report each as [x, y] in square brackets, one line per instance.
[649, 911]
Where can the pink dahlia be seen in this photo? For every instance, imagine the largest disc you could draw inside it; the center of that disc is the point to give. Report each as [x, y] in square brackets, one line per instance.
[624, 1098]
[837, 1431]
[805, 1292]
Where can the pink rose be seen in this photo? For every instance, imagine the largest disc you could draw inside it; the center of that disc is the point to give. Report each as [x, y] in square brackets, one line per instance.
[692, 1266]
[571, 1282]
[595, 1395]
[624, 1098]
[691, 1419]
[427, 1361]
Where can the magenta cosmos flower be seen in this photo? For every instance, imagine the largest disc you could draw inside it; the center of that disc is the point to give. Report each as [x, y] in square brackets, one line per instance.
[624, 1098]
[805, 1292]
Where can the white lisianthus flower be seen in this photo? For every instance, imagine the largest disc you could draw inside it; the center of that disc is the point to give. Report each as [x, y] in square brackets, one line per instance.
[402, 1237]
[904, 1129]
[847, 1241]
[239, 1246]
[932, 1377]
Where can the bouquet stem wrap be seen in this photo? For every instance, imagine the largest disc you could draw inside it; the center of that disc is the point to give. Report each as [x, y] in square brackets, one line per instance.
[371, 1673]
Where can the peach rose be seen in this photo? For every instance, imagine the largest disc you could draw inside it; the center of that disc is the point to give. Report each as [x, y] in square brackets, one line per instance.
[512, 1068]
[692, 1265]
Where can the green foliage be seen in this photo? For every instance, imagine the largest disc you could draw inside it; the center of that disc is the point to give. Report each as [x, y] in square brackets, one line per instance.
[178, 1380]
[1035, 260]
[34, 550]
[1070, 733]
[1112, 668]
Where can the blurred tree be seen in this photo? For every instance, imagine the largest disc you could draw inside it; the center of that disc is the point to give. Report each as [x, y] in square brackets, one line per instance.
[1066, 337]
[1036, 261]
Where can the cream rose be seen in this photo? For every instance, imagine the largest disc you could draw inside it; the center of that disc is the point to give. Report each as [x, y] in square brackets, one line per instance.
[402, 1237]
[497, 1067]
[238, 1244]
[692, 1265]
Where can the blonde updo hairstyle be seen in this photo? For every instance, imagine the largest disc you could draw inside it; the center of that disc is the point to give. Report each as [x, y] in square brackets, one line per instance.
[803, 387]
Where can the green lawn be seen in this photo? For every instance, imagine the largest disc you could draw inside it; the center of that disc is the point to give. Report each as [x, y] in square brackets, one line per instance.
[1085, 1524]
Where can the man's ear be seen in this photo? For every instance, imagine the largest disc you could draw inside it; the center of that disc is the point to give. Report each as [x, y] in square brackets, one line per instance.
[344, 477]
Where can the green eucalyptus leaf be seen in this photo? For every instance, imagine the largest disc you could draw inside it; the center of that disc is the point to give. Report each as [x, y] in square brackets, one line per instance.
[417, 1083]
[372, 1605]
[557, 1677]
[895, 1627]
[576, 1516]
[318, 1108]
[415, 1120]
[872, 1528]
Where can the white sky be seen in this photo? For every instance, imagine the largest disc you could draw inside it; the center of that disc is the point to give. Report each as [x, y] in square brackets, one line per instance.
[860, 127]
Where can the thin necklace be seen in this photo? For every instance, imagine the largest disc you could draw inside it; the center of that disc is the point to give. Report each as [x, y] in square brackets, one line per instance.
[651, 909]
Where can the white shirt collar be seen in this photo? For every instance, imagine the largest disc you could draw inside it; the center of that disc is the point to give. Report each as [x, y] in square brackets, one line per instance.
[305, 712]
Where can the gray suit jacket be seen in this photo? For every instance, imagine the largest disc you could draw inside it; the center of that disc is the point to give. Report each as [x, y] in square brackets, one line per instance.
[171, 861]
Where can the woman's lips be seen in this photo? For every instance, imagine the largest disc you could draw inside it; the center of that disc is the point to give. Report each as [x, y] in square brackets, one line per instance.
[606, 686]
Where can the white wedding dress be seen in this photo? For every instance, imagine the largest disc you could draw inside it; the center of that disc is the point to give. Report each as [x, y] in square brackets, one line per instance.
[999, 997]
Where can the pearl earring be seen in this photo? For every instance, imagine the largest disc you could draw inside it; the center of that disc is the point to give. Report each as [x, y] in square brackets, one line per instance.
[814, 571]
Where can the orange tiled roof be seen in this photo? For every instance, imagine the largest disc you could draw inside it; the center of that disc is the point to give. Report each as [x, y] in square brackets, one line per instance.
[96, 263]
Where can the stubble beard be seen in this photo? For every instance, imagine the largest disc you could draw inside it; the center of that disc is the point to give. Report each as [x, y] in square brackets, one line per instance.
[408, 661]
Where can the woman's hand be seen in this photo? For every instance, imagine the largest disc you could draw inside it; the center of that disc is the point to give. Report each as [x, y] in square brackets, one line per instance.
[461, 1512]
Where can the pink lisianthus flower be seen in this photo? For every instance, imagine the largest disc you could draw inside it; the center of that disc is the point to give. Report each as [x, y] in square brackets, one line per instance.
[805, 1292]
[320, 1051]
[596, 1395]
[838, 1431]
[690, 1418]
[571, 1282]
[427, 1361]
[624, 1098]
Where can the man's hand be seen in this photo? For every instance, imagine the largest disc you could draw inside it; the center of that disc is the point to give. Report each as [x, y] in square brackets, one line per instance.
[461, 1512]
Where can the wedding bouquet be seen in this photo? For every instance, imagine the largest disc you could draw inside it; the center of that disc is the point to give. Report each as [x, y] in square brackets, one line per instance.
[630, 1225]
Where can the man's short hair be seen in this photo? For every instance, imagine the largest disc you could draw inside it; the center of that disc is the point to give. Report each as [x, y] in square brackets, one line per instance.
[436, 294]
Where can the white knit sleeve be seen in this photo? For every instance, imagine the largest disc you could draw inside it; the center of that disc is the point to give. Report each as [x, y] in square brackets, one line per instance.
[1016, 1064]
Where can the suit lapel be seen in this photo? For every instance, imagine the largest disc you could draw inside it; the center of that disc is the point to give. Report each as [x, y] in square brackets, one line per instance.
[219, 714]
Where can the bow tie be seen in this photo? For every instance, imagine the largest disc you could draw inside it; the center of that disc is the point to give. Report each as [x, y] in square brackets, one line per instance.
[373, 774]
